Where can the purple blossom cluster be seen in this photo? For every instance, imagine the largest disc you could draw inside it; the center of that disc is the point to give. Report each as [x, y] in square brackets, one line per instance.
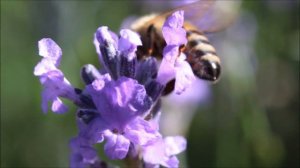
[119, 105]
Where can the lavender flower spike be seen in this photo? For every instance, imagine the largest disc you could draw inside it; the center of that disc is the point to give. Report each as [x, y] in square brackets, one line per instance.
[54, 83]
[119, 105]
[173, 64]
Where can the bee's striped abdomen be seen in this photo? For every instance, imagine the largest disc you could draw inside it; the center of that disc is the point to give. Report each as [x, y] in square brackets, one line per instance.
[202, 56]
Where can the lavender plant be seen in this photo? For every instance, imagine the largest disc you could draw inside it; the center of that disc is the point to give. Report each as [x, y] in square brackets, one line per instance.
[119, 104]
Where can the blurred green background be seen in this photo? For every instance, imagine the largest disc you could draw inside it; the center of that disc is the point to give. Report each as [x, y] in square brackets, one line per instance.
[252, 119]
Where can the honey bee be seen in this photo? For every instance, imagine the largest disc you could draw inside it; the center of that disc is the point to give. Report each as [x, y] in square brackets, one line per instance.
[201, 17]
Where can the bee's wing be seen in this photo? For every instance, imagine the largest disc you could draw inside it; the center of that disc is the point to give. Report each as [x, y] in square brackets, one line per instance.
[218, 17]
[194, 10]
[208, 15]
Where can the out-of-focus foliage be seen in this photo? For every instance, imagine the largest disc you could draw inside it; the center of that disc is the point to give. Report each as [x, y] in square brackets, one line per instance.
[252, 118]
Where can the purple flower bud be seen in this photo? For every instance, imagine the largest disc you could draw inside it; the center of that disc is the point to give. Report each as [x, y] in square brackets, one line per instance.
[127, 46]
[127, 68]
[86, 101]
[87, 115]
[89, 73]
[154, 89]
[146, 70]
[109, 54]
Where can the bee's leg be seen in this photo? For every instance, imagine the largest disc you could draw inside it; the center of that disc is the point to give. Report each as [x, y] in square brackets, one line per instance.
[151, 34]
[182, 49]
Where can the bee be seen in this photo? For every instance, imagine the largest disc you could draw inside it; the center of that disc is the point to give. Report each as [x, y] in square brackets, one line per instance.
[201, 17]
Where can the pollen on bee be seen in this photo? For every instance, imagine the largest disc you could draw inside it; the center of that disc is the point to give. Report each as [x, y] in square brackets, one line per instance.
[150, 51]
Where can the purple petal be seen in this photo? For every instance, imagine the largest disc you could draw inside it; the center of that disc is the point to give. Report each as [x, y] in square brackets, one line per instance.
[199, 92]
[58, 106]
[162, 151]
[140, 102]
[102, 35]
[97, 46]
[89, 155]
[50, 50]
[99, 83]
[116, 146]
[175, 145]
[184, 75]
[58, 84]
[173, 64]
[51, 78]
[55, 85]
[146, 70]
[148, 165]
[141, 132]
[173, 31]
[171, 52]
[155, 120]
[174, 36]
[166, 71]
[175, 20]
[46, 97]
[93, 131]
[82, 153]
[154, 153]
[171, 162]
[44, 66]
[76, 161]
[132, 96]
[129, 37]
[128, 42]
[119, 101]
